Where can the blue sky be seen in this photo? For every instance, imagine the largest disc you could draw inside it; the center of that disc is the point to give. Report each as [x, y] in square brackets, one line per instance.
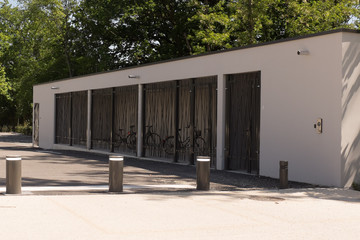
[13, 2]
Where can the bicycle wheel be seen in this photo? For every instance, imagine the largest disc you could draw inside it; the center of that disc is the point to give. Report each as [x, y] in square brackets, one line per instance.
[153, 140]
[199, 147]
[118, 142]
[169, 145]
[131, 141]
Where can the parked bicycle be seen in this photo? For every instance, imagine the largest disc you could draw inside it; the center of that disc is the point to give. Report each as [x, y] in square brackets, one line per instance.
[152, 139]
[131, 138]
[128, 140]
[199, 143]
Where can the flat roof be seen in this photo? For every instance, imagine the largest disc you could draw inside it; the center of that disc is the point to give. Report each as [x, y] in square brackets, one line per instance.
[210, 53]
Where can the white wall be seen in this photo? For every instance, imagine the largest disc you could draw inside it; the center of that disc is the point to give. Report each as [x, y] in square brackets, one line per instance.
[295, 91]
[350, 130]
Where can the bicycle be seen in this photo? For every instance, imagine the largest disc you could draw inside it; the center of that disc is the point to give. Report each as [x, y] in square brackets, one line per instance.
[152, 139]
[199, 144]
[129, 140]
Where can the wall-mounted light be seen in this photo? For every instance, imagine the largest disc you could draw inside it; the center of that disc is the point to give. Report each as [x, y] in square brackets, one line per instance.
[134, 76]
[54, 87]
[303, 52]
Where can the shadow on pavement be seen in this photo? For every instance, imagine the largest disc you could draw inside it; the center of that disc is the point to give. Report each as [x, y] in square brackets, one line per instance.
[88, 168]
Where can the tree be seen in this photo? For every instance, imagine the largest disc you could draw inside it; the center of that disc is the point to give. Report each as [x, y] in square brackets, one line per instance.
[284, 19]
[36, 51]
[6, 100]
[45, 40]
[4, 84]
[121, 33]
[210, 26]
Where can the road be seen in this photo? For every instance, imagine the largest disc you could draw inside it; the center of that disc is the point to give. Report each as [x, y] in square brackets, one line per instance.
[146, 211]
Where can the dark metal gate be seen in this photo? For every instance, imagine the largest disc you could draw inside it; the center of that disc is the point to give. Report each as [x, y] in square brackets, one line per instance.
[125, 119]
[114, 119]
[180, 119]
[197, 119]
[243, 122]
[101, 116]
[63, 118]
[71, 118]
[206, 117]
[159, 117]
[79, 118]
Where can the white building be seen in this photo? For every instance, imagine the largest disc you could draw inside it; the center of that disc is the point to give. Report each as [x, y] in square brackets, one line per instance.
[295, 100]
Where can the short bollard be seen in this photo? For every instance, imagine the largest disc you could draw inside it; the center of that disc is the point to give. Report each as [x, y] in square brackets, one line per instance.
[116, 166]
[13, 175]
[203, 173]
[283, 175]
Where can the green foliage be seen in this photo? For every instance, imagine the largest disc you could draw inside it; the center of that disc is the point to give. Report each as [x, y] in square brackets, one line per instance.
[4, 84]
[6, 128]
[213, 27]
[116, 34]
[25, 129]
[34, 52]
[46, 40]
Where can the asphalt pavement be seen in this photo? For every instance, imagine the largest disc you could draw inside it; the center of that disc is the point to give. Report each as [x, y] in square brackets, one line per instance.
[65, 196]
[45, 168]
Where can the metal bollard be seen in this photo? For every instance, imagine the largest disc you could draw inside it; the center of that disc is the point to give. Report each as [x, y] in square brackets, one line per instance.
[13, 174]
[116, 166]
[202, 173]
[283, 175]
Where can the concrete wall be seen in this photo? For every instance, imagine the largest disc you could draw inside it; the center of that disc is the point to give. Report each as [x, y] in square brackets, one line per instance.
[295, 91]
[350, 102]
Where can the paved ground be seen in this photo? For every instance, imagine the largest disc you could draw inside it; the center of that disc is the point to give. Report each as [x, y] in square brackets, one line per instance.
[70, 168]
[233, 209]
